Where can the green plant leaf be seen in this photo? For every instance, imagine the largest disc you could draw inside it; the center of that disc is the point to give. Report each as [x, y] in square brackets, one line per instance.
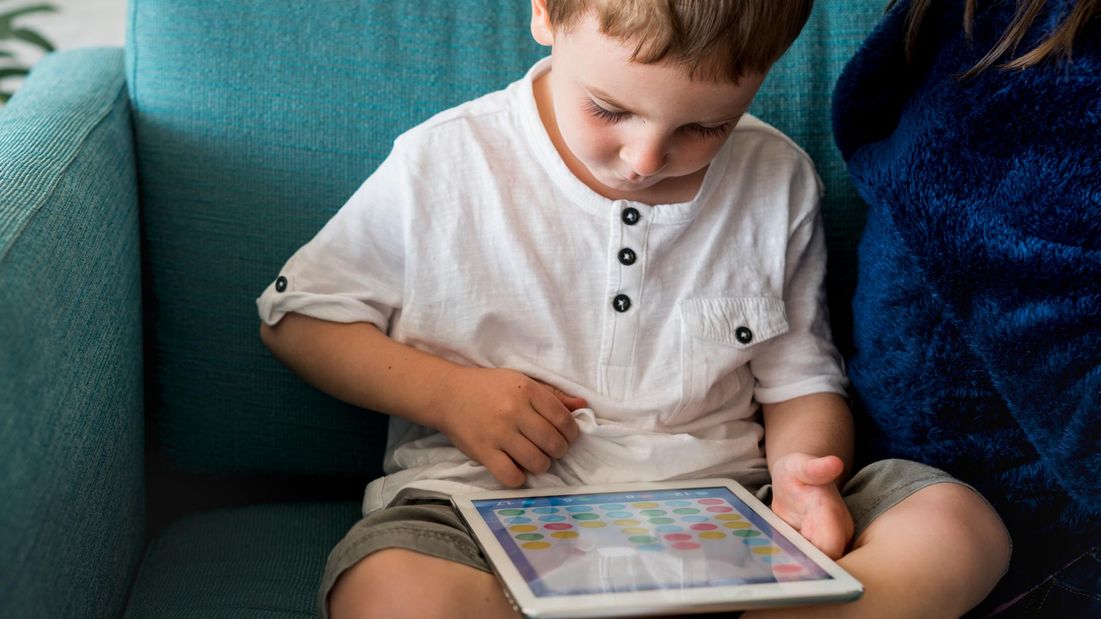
[6, 19]
[6, 72]
[32, 37]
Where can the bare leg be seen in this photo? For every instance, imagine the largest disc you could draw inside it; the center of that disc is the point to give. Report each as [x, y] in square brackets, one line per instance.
[937, 553]
[396, 583]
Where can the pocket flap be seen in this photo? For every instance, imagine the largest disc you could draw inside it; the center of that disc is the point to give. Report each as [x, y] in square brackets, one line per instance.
[735, 321]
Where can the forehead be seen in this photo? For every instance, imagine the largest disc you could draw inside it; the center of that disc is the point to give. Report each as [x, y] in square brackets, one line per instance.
[602, 66]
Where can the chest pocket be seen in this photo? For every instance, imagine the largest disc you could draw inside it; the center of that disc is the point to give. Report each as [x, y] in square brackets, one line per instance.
[719, 337]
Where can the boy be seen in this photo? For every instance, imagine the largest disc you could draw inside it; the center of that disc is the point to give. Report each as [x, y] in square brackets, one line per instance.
[606, 272]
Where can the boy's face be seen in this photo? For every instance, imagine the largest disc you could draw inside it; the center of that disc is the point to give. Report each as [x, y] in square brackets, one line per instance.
[637, 131]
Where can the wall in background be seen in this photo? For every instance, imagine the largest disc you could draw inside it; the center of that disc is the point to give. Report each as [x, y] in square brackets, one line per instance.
[75, 23]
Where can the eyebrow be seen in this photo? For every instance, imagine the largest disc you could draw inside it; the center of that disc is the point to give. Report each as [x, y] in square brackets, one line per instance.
[605, 97]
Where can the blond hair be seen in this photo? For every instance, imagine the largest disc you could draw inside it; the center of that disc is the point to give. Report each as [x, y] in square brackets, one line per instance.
[715, 40]
[1058, 44]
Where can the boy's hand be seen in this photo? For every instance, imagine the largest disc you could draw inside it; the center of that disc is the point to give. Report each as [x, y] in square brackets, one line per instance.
[805, 495]
[508, 421]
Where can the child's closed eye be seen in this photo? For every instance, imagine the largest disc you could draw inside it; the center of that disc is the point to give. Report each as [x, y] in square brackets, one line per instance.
[603, 113]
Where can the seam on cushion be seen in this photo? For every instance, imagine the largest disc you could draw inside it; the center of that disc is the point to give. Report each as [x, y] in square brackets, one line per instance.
[102, 115]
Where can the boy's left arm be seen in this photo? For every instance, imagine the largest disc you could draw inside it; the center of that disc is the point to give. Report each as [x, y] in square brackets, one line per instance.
[809, 447]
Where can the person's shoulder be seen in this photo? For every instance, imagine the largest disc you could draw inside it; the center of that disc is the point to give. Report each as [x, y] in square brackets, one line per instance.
[752, 132]
[768, 153]
[460, 126]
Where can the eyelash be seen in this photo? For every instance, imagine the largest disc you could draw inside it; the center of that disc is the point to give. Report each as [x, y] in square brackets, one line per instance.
[612, 118]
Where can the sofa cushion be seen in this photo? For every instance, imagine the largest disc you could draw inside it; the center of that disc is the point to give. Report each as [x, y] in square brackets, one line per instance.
[261, 562]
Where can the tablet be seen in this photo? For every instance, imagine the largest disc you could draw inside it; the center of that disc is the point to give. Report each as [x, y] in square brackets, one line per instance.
[647, 549]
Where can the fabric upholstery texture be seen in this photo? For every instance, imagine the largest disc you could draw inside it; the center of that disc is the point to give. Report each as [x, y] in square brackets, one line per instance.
[71, 443]
[261, 562]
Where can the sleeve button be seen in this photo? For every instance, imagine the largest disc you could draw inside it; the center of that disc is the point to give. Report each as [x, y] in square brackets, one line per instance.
[280, 284]
[743, 335]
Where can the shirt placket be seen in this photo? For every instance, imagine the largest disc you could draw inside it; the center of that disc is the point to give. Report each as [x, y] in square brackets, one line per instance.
[629, 231]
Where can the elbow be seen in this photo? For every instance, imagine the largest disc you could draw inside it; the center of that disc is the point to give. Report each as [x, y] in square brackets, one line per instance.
[267, 336]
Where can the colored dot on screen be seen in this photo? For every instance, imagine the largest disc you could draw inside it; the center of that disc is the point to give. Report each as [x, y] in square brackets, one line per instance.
[686, 545]
[737, 524]
[644, 505]
[545, 510]
[642, 539]
[653, 512]
[627, 523]
[613, 506]
[786, 568]
[686, 510]
[727, 517]
[551, 518]
[579, 508]
[593, 524]
[703, 527]
[668, 528]
[558, 526]
[564, 534]
[522, 528]
[584, 516]
[536, 545]
[635, 531]
[511, 512]
[529, 536]
[518, 520]
[712, 535]
[695, 518]
[620, 514]
[662, 521]
[765, 550]
[710, 501]
[678, 537]
[719, 509]
[678, 503]
[650, 547]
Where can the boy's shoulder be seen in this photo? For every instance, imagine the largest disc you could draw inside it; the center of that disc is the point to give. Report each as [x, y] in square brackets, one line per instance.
[751, 129]
[492, 112]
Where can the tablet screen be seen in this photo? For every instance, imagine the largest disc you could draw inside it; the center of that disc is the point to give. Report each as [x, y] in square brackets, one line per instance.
[581, 544]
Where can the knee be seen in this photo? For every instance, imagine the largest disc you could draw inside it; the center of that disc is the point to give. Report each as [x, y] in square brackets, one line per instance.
[379, 586]
[970, 526]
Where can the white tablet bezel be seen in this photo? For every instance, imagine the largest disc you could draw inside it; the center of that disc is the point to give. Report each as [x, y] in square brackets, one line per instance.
[839, 588]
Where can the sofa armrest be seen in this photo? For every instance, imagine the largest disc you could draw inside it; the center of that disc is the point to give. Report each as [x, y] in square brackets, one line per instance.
[72, 518]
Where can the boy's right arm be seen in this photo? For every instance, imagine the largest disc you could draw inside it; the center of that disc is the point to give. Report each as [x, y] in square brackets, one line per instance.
[501, 418]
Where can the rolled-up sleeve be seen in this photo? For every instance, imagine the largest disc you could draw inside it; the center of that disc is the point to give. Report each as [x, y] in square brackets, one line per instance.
[353, 269]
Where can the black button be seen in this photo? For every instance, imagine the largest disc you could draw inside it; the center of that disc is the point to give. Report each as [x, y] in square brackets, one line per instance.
[627, 256]
[621, 303]
[743, 335]
[630, 216]
[280, 284]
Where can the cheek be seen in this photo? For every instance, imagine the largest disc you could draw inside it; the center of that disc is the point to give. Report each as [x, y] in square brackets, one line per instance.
[590, 139]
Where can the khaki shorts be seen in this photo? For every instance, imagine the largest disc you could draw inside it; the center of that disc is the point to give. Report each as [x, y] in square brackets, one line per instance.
[426, 523]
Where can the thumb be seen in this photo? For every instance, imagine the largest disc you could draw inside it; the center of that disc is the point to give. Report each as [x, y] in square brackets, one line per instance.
[821, 471]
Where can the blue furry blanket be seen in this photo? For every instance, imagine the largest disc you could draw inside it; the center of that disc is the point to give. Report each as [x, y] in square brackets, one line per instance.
[978, 308]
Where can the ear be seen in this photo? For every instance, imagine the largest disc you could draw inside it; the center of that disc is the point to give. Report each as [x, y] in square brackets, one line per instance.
[541, 29]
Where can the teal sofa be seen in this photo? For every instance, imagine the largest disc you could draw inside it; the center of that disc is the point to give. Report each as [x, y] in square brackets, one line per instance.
[155, 460]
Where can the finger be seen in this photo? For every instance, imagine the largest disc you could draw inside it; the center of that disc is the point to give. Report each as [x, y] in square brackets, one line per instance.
[545, 436]
[821, 471]
[504, 469]
[571, 402]
[529, 457]
[554, 411]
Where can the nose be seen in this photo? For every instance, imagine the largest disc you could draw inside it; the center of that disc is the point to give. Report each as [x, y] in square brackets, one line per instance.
[647, 154]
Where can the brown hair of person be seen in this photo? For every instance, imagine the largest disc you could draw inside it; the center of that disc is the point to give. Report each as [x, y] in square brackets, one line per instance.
[715, 40]
[1058, 44]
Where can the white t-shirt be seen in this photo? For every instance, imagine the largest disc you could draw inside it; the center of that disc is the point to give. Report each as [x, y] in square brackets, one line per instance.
[473, 241]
